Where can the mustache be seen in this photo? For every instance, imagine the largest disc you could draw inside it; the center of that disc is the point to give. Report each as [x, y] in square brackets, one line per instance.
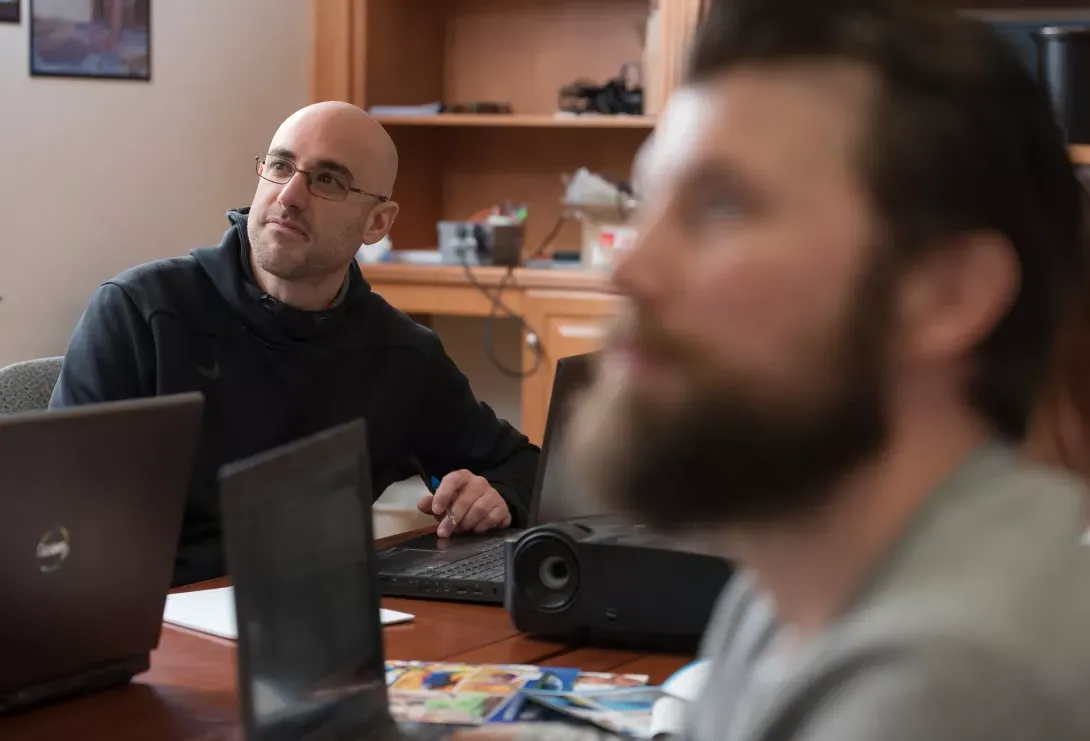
[638, 331]
[289, 217]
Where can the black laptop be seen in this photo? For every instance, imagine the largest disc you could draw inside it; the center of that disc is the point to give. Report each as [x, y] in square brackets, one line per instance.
[471, 567]
[91, 503]
[300, 550]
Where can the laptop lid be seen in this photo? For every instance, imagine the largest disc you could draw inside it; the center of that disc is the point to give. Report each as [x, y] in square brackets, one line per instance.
[556, 496]
[299, 546]
[92, 499]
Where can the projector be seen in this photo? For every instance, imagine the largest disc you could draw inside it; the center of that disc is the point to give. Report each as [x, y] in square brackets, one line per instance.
[604, 582]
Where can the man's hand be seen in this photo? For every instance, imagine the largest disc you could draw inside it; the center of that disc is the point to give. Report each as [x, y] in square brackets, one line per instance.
[473, 505]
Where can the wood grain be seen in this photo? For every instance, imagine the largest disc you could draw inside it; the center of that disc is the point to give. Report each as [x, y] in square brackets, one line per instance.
[657, 667]
[331, 49]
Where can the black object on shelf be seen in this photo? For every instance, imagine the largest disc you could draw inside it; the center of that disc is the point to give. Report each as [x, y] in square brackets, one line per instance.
[1063, 67]
[622, 95]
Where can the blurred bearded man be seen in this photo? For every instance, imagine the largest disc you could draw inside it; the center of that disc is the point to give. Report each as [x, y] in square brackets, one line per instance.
[858, 231]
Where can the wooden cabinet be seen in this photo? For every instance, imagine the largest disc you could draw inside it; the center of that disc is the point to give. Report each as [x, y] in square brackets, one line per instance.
[564, 323]
[566, 313]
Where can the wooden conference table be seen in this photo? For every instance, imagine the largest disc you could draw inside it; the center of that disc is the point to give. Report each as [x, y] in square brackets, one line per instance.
[190, 693]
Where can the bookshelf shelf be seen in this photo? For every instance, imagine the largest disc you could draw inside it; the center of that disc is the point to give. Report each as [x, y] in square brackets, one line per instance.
[534, 121]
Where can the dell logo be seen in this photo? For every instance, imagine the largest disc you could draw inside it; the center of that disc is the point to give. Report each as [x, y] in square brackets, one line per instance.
[53, 549]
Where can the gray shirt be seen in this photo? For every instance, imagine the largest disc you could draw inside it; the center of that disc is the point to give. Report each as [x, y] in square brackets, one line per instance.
[975, 627]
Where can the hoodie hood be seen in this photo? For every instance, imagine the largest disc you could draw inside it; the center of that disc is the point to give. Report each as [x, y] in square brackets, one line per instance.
[274, 322]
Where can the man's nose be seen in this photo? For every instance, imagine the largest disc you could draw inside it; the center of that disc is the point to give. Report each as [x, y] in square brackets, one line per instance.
[294, 193]
[642, 272]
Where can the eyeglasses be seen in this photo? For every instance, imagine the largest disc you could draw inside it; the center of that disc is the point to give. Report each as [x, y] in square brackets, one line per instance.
[325, 183]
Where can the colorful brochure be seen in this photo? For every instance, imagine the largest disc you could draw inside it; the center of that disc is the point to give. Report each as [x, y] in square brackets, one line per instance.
[475, 694]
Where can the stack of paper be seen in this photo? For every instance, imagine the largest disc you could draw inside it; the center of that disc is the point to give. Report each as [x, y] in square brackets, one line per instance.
[212, 611]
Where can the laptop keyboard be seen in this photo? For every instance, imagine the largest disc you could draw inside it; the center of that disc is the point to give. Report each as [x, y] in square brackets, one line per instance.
[486, 566]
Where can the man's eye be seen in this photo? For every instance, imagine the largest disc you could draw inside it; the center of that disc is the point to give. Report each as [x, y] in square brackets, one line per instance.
[328, 178]
[719, 205]
[277, 166]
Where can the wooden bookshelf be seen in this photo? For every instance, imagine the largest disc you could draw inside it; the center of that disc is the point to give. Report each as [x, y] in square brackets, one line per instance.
[519, 52]
[452, 165]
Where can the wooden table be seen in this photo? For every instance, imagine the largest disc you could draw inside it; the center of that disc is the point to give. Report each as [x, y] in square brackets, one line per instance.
[191, 692]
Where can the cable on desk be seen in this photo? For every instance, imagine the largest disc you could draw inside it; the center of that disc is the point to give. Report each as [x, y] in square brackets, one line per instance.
[498, 308]
[554, 231]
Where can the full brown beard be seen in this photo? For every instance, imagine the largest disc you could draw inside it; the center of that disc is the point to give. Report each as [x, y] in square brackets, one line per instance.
[733, 450]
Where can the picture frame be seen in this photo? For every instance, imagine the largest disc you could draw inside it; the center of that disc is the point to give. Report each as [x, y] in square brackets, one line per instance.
[9, 11]
[91, 39]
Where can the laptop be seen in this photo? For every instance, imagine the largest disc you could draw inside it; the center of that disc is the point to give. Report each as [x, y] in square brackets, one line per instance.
[299, 545]
[90, 516]
[470, 568]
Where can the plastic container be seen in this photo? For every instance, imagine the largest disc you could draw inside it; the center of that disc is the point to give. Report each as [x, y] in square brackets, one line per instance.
[1063, 67]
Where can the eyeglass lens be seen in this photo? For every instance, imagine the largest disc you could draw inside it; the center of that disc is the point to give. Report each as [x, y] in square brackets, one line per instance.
[322, 183]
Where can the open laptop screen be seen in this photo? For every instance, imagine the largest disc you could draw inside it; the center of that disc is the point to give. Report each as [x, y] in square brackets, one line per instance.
[558, 496]
[298, 534]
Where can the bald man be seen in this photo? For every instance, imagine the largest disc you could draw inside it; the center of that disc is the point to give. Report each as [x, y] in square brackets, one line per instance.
[279, 330]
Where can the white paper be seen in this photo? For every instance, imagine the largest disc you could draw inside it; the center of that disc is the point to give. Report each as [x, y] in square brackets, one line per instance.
[212, 611]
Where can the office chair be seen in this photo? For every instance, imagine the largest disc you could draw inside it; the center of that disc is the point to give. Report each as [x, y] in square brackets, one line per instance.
[27, 386]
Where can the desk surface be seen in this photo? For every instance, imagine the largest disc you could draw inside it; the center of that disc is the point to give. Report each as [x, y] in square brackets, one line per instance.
[190, 692]
[559, 278]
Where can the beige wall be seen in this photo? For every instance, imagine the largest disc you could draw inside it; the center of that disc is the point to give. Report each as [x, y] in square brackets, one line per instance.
[99, 175]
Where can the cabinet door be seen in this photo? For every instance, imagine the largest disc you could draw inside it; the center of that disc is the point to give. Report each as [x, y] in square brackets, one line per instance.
[564, 323]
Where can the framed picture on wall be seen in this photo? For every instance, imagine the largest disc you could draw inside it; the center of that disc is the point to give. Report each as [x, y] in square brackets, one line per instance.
[9, 11]
[108, 39]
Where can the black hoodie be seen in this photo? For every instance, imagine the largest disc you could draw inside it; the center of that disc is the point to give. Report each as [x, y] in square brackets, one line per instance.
[271, 374]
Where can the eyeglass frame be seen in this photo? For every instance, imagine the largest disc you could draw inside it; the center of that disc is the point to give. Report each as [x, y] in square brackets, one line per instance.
[307, 175]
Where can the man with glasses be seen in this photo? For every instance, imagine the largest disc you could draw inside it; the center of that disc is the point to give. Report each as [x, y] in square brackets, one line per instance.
[279, 330]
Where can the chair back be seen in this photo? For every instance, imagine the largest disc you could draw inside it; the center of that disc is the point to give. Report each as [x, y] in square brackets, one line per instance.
[27, 386]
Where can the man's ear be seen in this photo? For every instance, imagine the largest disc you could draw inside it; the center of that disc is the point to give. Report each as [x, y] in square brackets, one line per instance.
[380, 221]
[954, 298]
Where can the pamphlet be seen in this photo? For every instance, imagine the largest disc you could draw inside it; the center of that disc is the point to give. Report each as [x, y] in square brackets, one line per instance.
[475, 694]
[626, 711]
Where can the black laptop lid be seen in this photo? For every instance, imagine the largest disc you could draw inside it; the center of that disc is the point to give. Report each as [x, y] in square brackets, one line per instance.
[556, 495]
[91, 503]
[297, 530]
